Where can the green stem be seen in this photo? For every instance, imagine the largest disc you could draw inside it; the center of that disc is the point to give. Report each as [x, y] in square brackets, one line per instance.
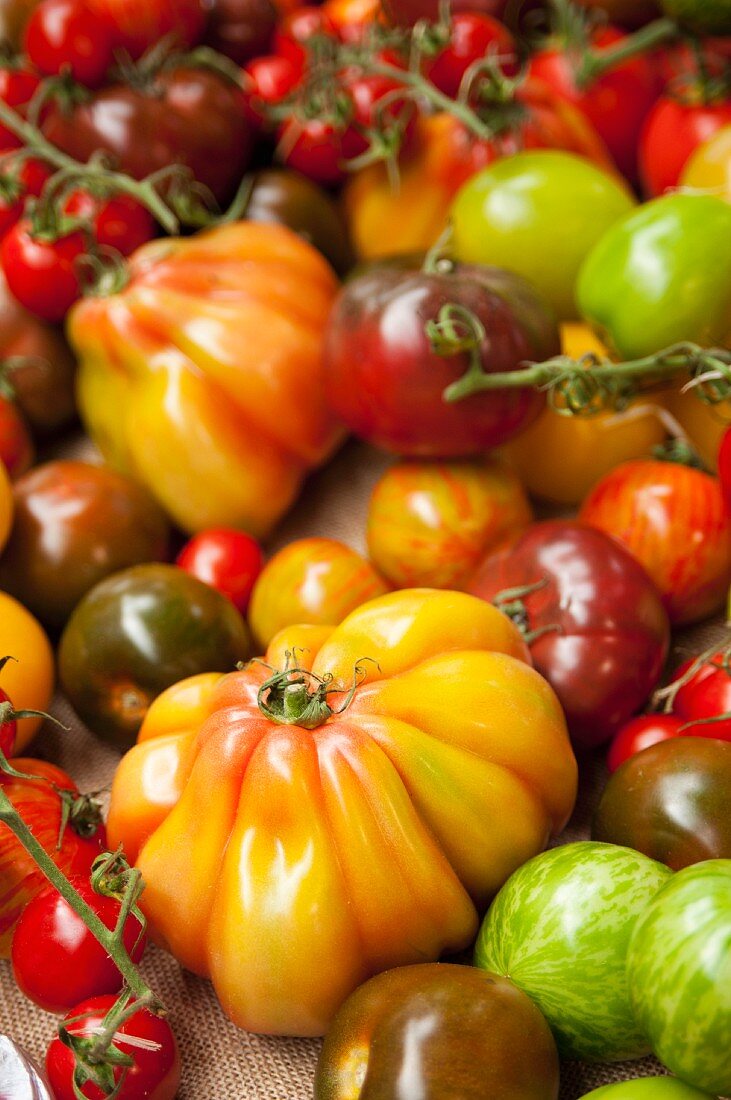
[594, 63]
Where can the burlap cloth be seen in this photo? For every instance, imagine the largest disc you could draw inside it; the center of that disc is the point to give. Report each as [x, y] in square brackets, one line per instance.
[219, 1061]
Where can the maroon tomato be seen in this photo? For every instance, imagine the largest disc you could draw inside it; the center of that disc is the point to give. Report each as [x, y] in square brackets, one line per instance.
[155, 1074]
[269, 80]
[18, 85]
[64, 36]
[674, 128]
[595, 622]
[136, 25]
[43, 275]
[472, 37]
[616, 103]
[16, 445]
[117, 221]
[241, 29]
[297, 28]
[724, 467]
[705, 696]
[228, 560]
[387, 383]
[639, 733]
[57, 962]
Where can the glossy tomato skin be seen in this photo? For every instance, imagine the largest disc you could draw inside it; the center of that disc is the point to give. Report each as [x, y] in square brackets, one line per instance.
[422, 1030]
[16, 446]
[724, 467]
[606, 632]
[64, 35]
[17, 87]
[387, 385]
[8, 728]
[638, 734]
[28, 680]
[673, 519]
[38, 803]
[706, 694]
[268, 81]
[472, 36]
[56, 960]
[117, 222]
[241, 29]
[671, 801]
[138, 24]
[43, 275]
[155, 1074]
[228, 560]
[673, 131]
[75, 523]
[708, 166]
[297, 28]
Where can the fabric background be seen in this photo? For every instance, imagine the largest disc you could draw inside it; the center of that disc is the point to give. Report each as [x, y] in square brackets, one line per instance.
[221, 1062]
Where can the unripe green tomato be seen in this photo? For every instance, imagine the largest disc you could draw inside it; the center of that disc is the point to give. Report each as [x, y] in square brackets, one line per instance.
[648, 1088]
[661, 275]
[538, 214]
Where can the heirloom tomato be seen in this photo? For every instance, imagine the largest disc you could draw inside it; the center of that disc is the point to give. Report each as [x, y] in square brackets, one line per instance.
[709, 166]
[28, 680]
[560, 929]
[74, 524]
[203, 377]
[538, 214]
[678, 970]
[639, 733]
[241, 29]
[673, 520]
[229, 561]
[675, 127]
[364, 784]
[317, 581]
[420, 1030]
[147, 1039]
[594, 620]
[671, 801]
[431, 523]
[387, 382]
[559, 458]
[660, 276]
[136, 633]
[648, 1088]
[40, 798]
[139, 24]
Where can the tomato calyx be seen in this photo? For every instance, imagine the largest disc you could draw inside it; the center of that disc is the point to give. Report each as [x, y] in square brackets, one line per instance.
[295, 696]
[164, 56]
[511, 602]
[718, 656]
[681, 451]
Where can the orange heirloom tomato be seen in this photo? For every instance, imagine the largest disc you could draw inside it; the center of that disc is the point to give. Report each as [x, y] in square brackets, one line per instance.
[366, 809]
[203, 377]
[709, 168]
[673, 519]
[310, 581]
[559, 458]
[28, 680]
[431, 523]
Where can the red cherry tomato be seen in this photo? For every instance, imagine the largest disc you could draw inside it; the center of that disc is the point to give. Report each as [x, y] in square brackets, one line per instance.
[43, 275]
[117, 222]
[473, 36]
[297, 28]
[706, 695]
[138, 24]
[17, 88]
[155, 1074]
[19, 179]
[64, 36]
[318, 148]
[724, 467]
[673, 129]
[371, 113]
[16, 445]
[228, 560]
[639, 733]
[269, 80]
[8, 726]
[56, 960]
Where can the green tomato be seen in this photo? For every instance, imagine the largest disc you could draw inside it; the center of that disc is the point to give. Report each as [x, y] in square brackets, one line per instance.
[648, 1088]
[679, 973]
[559, 929]
[662, 275]
[538, 214]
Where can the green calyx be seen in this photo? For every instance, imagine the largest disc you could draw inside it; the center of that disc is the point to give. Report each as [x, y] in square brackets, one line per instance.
[294, 696]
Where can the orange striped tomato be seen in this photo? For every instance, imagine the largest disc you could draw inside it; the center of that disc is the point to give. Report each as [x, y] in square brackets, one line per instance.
[310, 581]
[673, 519]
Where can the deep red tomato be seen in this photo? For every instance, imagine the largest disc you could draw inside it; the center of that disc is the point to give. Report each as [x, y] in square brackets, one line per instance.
[472, 36]
[16, 445]
[600, 634]
[241, 29]
[228, 560]
[706, 694]
[269, 80]
[17, 87]
[64, 36]
[136, 25]
[155, 1074]
[674, 128]
[39, 803]
[8, 725]
[639, 733]
[43, 275]
[673, 520]
[724, 467]
[117, 222]
[371, 113]
[616, 103]
[297, 28]
[20, 179]
[57, 962]
[318, 148]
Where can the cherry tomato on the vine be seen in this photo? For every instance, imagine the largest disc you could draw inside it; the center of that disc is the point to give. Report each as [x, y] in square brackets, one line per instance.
[472, 37]
[724, 467]
[43, 275]
[17, 87]
[20, 179]
[155, 1074]
[16, 445]
[138, 24]
[705, 696]
[227, 560]
[297, 28]
[674, 129]
[269, 80]
[117, 221]
[319, 148]
[8, 726]
[56, 960]
[639, 733]
[64, 35]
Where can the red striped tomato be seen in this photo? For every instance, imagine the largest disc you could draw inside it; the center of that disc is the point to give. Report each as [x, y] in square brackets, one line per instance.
[673, 519]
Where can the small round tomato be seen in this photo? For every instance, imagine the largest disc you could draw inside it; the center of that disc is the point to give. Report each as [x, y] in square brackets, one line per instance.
[317, 581]
[297, 28]
[319, 147]
[473, 36]
[228, 560]
[8, 722]
[241, 29]
[28, 680]
[136, 25]
[18, 85]
[673, 520]
[431, 523]
[56, 960]
[268, 80]
[117, 222]
[43, 275]
[65, 36]
[704, 695]
[16, 445]
[19, 180]
[147, 1039]
[674, 129]
[639, 733]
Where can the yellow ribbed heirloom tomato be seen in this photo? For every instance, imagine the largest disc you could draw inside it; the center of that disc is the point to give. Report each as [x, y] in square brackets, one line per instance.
[358, 812]
[203, 377]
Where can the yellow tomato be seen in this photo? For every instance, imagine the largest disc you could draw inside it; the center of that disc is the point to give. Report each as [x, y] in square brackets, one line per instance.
[28, 680]
[709, 168]
[704, 424]
[559, 458]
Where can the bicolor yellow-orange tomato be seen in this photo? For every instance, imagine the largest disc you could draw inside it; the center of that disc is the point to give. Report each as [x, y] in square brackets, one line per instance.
[28, 680]
[364, 827]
